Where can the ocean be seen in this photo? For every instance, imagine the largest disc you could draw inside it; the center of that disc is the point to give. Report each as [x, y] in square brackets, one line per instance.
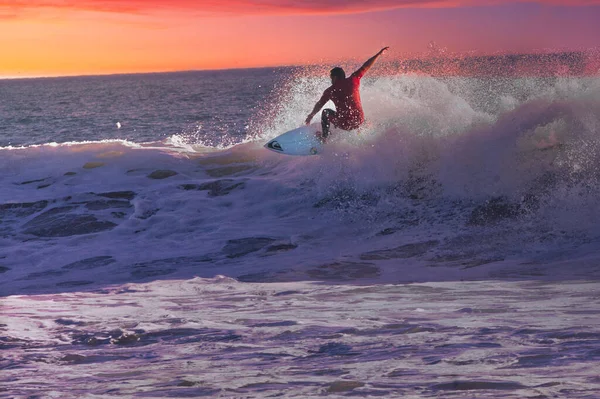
[151, 247]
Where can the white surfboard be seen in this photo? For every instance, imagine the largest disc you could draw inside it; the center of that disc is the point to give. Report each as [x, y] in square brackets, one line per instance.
[300, 141]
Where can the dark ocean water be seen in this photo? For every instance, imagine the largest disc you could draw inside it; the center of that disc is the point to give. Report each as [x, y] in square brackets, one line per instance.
[149, 107]
[151, 247]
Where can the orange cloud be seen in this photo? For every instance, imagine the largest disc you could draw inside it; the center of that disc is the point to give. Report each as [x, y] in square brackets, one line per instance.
[261, 7]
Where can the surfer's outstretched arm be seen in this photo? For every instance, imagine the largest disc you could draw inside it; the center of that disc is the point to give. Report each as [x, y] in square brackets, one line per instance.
[324, 98]
[369, 63]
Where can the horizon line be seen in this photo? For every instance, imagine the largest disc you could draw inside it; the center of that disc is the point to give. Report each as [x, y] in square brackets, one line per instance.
[409, 58]
[158, 72]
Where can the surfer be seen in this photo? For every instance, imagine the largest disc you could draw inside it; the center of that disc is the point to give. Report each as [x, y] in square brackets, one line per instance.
[344, 92]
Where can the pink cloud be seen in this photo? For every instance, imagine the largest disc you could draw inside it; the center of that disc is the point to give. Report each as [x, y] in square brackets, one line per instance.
[261, 7]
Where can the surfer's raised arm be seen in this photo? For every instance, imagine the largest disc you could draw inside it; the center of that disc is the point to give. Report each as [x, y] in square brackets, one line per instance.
[368, 64]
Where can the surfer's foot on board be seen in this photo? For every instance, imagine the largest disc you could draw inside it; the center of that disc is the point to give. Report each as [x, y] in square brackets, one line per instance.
[320, 136]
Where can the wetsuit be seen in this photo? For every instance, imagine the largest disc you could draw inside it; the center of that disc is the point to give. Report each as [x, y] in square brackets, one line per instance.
[345, 95]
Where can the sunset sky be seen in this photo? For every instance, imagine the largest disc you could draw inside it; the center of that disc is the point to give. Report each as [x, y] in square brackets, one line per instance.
[75, 37]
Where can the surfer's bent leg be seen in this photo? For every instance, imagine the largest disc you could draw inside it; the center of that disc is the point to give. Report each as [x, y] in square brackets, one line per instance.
[326, 117]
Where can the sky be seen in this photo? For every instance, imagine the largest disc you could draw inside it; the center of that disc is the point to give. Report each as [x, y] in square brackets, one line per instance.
[82, 37]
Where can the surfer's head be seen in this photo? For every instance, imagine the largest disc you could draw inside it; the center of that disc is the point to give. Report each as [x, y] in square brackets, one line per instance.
[337, 73]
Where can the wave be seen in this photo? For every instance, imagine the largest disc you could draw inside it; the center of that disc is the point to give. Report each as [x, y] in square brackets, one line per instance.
[446, 172]
[470, 138]
[467, 140]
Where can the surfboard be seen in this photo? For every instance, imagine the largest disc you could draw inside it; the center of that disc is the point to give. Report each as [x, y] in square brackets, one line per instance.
[301, 141]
